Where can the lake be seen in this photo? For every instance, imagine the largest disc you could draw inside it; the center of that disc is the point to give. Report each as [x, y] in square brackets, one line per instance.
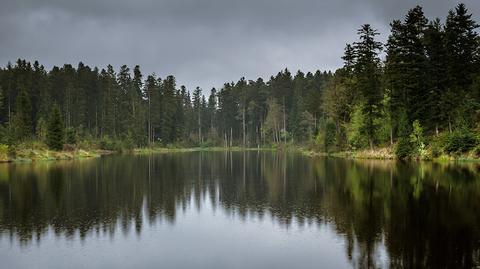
[253, 209]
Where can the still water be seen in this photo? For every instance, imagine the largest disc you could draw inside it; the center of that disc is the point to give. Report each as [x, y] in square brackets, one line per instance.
[238, 210]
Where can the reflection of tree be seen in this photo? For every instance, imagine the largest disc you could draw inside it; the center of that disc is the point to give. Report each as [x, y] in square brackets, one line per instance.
[424, 215]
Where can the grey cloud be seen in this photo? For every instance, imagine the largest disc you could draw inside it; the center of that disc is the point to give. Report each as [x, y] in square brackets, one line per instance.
[204, 43]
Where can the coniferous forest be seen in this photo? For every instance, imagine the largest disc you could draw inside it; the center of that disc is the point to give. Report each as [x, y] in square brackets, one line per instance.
[419, 94]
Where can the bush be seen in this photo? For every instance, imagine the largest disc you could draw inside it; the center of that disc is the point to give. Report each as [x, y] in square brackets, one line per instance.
[330, 135]
[326, 138]
[4, 152]
[70, 136]
[435, 148]
[107, 143]
[69, 147]
[476, 151]
[356, 139]
[459, 141]
[417, 140]
[404, 148]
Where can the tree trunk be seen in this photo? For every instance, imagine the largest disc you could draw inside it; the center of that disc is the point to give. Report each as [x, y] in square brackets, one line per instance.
[243, 123]
[391, 135]
[284, 123]
[199, 127]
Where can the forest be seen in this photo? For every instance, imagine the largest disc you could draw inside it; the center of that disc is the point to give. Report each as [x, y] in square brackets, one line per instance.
[418, 94]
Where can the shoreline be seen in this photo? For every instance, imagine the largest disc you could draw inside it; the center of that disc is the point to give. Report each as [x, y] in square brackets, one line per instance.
[35, 155]
[387, 154]
[39, 155]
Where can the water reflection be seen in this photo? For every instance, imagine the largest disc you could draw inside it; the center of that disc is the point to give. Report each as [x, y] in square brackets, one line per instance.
[422, 215]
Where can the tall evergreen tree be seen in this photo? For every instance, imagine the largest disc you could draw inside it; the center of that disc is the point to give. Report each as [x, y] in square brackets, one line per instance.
[22, 122]
[55, 131]
[367, 72]
[461, 43]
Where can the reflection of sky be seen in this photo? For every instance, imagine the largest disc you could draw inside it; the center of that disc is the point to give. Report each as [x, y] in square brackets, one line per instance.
[205, 238]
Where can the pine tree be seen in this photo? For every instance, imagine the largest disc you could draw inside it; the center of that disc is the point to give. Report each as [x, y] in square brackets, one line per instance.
[436, 77]
[55, 133]
[406, 67]
[367, 72]
[461, 43]
[168, 110]
[22, 122]
[197, 106]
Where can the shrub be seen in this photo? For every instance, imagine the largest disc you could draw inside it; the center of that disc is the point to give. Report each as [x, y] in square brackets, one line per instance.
[330, 135]
[70, 136]
[12, 151]
[476, 151]
[404, 148]
[4, 152]
[107, 143]
[128, 143]
[326, 137]
[68, 147]
[435, 148]
[355, 137]
[417, 140]
[459, 141]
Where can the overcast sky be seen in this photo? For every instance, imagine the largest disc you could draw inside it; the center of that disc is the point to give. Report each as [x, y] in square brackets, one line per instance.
[201, 42]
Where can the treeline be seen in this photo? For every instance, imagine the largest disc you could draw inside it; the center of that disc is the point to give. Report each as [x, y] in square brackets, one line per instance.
[428, 84]
[109, 106]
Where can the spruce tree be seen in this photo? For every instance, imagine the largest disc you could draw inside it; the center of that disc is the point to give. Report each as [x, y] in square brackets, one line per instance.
[55, 133]
[406, 67]
[461, 42]
[22, 121]
[436, 77]
[367, 72]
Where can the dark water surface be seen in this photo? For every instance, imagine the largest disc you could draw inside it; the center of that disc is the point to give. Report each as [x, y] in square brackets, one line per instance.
[238, 210]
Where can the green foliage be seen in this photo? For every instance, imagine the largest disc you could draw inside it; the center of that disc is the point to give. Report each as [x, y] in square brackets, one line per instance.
[42, 129]
[404, 148]
[70, 136]
[417, 140]
[4, 152]
[367, 72]
[355, 137]
[22, 122]
[413, 145]
[330, 135]
[55, 134]
[106, 143]
[112, 144]
[326, 138]
[459, 141]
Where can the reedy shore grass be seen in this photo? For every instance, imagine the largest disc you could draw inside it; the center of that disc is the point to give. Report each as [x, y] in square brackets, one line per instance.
[387, 153]
[31, 155]
[35, 151]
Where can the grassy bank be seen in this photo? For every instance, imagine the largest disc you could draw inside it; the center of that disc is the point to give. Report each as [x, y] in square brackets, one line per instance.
[36, 151]
[150, 150]
[31, 155]
[388, 153]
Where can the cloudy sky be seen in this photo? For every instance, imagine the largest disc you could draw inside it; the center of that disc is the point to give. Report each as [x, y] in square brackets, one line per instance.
[202, 42]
